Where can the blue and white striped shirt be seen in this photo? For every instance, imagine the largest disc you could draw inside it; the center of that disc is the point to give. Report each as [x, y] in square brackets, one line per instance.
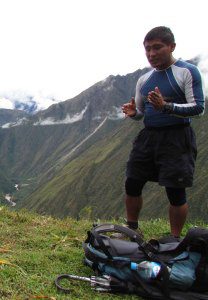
[180, 84]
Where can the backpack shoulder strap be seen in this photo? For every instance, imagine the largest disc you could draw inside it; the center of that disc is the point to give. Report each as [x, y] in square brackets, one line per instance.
[146, 247]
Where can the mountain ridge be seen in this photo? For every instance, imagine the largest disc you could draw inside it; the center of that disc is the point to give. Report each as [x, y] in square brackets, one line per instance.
[71, 167]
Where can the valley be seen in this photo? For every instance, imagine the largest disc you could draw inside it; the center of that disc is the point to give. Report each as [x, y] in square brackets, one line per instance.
[70, 168]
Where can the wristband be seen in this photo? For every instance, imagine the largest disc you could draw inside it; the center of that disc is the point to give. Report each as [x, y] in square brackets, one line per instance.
[168, 108]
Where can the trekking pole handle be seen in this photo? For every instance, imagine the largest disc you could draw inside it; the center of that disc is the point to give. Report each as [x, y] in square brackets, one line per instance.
[98, 283]
[69, 277]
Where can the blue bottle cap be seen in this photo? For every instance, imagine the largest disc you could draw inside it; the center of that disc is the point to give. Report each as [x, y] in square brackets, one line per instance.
[134, 266]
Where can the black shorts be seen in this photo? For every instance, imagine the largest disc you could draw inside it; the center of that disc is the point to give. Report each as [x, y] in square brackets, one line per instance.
[166, 155]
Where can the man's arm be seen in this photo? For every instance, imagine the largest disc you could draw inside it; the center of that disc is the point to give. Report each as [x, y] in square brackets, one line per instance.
[194, 96]
[134, 108]
[129, 109]
[194, 93]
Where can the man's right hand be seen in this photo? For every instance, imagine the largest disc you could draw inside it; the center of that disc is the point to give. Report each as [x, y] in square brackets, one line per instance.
[129, 109]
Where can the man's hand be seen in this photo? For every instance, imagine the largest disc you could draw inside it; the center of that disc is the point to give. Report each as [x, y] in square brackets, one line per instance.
[129, 109]
[155, 97]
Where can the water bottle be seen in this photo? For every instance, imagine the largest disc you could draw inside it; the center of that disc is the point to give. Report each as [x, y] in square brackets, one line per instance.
[147, 269]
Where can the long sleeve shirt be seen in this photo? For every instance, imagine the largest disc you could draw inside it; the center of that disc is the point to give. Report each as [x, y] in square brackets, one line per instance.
[179, 84]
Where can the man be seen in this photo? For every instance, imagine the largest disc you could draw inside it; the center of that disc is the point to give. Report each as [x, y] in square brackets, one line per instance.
[165, 150]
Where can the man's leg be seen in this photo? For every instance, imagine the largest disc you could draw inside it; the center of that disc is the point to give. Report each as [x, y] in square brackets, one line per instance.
[177, 217]
[133, 201]
[133, 207]
[178, 209]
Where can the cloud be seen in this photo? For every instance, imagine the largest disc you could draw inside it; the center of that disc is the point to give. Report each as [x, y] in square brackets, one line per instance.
[27, 101]
[6, 103]
[13, 124]
[68, 119]
[116, 114]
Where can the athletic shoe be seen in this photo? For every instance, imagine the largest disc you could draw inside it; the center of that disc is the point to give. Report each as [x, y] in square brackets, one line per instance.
[169, 239]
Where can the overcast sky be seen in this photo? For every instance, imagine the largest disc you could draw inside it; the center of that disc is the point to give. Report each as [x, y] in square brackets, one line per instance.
[58, 48]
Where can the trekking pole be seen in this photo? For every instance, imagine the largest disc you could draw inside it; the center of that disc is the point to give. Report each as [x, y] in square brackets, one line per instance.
[104, 283]
[101, 284]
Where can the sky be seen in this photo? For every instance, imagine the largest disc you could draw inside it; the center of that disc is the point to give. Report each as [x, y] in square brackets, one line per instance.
[51, 50]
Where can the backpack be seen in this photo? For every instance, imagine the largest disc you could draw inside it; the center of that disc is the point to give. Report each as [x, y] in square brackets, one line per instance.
[183, 265]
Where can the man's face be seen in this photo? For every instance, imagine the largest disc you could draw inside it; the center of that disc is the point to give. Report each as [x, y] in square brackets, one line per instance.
[159, 54]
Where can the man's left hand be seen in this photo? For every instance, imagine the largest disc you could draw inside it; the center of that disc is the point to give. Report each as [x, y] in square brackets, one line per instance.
[156, 99]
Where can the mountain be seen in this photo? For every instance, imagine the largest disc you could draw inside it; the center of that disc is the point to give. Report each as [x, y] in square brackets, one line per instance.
[70, 158]
[34, 143]
[93, 180]
[10, 116]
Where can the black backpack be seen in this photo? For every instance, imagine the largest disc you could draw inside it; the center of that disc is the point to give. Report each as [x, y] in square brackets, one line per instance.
[183, 265]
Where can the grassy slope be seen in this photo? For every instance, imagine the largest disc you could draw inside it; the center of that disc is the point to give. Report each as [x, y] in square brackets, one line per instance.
[40, 247]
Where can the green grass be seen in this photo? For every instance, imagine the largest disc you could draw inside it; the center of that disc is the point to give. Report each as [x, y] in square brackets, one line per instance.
[34, 249]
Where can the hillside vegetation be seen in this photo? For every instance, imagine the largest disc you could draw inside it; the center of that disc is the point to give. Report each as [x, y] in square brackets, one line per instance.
[94, 178]
[77, 163]
[34, 249]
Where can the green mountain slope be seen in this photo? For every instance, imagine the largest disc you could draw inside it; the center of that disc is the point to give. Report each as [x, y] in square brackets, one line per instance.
[11, 116]
[94, 179]
[76, 165]
[35, 149]
[94, 174]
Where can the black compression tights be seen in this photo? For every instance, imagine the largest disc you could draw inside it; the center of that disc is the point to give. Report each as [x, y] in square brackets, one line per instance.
[176, 196]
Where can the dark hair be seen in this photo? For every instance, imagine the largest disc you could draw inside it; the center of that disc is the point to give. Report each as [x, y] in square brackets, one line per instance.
[162, 33]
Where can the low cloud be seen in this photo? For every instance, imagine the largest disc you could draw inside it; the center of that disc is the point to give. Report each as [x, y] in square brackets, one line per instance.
[29, 102]
[68, 120]
[6, 103]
